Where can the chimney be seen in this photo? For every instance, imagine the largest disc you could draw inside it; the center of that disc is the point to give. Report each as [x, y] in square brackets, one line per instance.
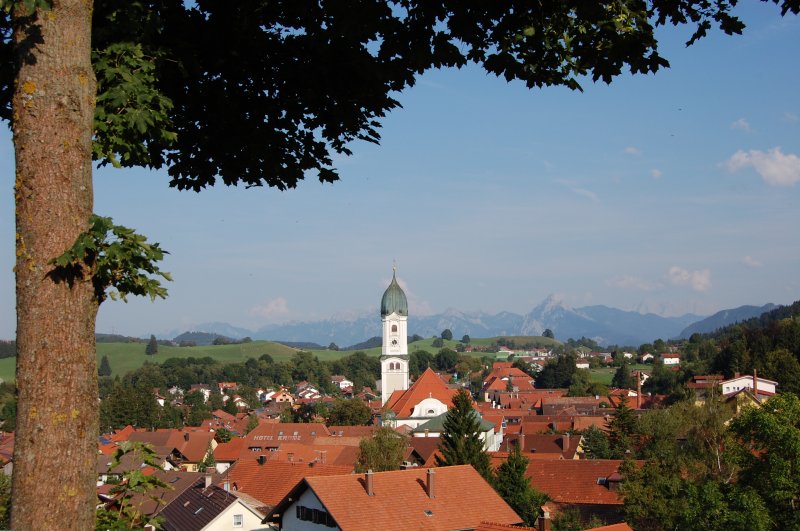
[368, 479]
[186, 436]
[522, 442]
[262, 459]
[431, 487]
[290, 457]
[208, 481]
[544, 521]
[427, 432]
[566, 441]
[755, 383]
[638, 390]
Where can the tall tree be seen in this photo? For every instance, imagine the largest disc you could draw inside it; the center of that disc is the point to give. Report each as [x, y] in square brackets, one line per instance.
[105, 367]
[168, 95]
[152, 346]
[623, 431]
[460, 442]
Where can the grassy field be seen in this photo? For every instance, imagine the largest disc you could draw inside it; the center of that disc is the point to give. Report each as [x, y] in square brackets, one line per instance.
[124, 357]
[605, 375]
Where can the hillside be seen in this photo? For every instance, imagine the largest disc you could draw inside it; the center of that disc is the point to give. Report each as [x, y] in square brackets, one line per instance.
[124, 357]
[725, 318]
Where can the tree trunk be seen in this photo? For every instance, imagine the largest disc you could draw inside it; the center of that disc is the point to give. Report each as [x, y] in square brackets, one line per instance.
[56, 439]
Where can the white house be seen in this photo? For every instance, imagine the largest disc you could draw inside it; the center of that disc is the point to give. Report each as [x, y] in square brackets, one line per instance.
[746, 382]
[671, 359]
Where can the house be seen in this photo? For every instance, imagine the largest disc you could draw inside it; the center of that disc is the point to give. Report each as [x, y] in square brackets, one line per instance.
[582, 364]
[671, 359]
[758, 386]
[207, 507]
[204, 389]
[268, 437]
[224, 387]
[454, 497]
[647, 358]
[341, 381]
[184, 449]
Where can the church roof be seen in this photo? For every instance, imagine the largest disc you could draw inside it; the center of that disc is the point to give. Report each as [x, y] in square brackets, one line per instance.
[429, 385]
[394, 300]
[436, 424]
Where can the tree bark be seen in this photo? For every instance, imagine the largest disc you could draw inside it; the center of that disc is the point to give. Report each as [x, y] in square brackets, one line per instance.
[53, 105]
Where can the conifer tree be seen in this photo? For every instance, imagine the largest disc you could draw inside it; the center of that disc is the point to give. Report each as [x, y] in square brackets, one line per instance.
[623, 430]
[461, 442]
[105, 367]
[152, 346]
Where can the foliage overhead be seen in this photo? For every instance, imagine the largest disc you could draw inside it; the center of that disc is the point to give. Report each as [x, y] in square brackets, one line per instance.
[251, 112]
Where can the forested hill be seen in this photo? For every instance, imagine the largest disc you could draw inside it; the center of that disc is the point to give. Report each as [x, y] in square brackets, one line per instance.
[765, 320]
[725, 318]
[769, 343]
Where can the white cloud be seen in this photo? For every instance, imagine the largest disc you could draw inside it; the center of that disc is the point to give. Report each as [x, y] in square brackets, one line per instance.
[749, 261]
[271, 309]
[741, 124]
[775, 167]
[698, 280]
[631, 282]
[790, 117]
[656, 173]
[632, 150]
[583, 192]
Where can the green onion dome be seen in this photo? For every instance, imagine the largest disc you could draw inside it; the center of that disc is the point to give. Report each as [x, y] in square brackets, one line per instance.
[394, 300]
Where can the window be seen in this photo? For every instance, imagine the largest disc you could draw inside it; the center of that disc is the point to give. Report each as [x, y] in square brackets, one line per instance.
[238, 520]
[394, 328]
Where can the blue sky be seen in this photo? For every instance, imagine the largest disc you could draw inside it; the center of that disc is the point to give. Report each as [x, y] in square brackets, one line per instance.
[669, 193]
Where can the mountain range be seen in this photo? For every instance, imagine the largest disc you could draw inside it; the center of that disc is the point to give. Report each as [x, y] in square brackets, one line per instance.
[606, 326]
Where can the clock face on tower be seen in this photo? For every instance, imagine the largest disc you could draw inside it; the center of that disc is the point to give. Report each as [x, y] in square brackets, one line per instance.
[394, 342]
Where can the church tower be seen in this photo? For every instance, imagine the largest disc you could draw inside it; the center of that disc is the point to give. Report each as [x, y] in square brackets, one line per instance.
[394, 353]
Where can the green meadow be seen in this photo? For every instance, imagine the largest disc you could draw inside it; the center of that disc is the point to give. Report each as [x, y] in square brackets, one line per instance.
[124, 357]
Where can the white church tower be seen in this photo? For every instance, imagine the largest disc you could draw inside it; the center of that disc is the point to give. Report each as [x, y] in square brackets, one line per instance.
[394, 353]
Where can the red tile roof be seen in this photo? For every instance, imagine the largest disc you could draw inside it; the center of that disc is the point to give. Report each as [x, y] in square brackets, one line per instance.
[429, 385]
[615, 527]
[270, 482]
[575, 481]
[229, 451]
[462, 499]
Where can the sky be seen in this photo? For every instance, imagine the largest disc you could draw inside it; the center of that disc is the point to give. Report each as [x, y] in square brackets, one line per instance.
[669, 193]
